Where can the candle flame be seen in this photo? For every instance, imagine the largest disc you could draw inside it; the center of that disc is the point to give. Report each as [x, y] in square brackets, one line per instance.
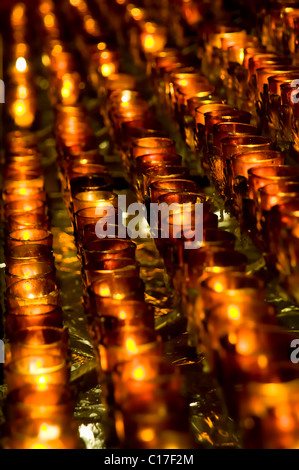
[26, 235]
[107, 69]
[122, 315]
[20, 108]
[21, 64]
[136, 13]
[42, 382]
[218, 287]
[119, 296]
[105, 291]
[146, 435]
[49, 20]
[39, 446]
[22, 92]
[48, 432]
[139, 373]
[232, 338]
[23, 191]
[149, 42]
[101, 46]
[233, 312]
[262, 361]
[131, 345]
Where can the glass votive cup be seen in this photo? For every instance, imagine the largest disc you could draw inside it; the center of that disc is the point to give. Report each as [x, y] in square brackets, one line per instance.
[261, 176]
[29, 254]
[223, 321]
[39, 340]
[100, 292]
[21, 206]
[143, 162]
[111, 230]
[22, 165]
[211, 237]
[268, 409]
[277, 193]
[28, 220]
[240, 163]
[225, 129]
[109, 317]
[90, 183]
[89, 198]
[159, 188]
[77, 170]
[161, 172]
[31, 292]
[20, 139]
[53, 433]
[29, 180]
[17, 194]
[144, 374]
[91, 272]
[212, 260]
[99, 250]
[92, 215]
[28, 402]
[39, 371]
[34, 315]
[150, 145]
[186, 220]
[143, 418]
[232, 145]
[232, 285]
[38, 270]
[223, 115]
[29, 236]
[125, 343]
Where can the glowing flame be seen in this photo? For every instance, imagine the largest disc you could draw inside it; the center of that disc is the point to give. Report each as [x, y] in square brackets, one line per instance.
[233, 312]
[102, 46]
[131, 345]
[107, 69]
[136, 13]
[21, 64]
[139, 373]
[105, 55]
[42, 382]
[232, 338]
[22, 92]
[122, 315]
[149, 42]
[273, 200]
[105, 291]
[262, 361]
[119, 296]
[48, 432]
[146, 435]
[125, 97]
[218, 287]
[39, 446]
[49, 20]
[26, 235]
[20, 108]
[23, 191]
